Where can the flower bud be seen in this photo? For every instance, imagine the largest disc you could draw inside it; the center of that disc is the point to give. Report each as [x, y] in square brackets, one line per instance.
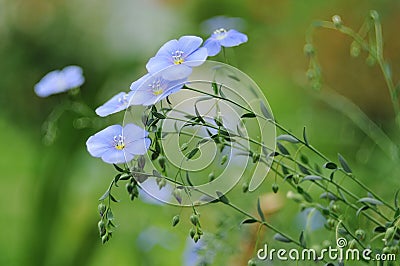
[355, 49]
[337, 21]
[256, 157]
[141, 162]
[394, 249]
[105, 238]
[309, 49]
[129, 187]
[389, 234]
[386, 250]
[194, 219]
[175, 220]
[294, 196]
[102, 227]
[199, 231]
[102, 208]
[275, 188]
[360, 234]
[310, 74]
[211, 176]
[224, 159]
[196, 238]
[184, 146]
[161, 161]
[192, 232]
[245, 187]
[330, 224]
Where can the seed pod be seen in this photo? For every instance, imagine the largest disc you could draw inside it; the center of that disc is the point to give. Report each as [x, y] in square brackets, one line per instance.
[194, 219]
[175, 220]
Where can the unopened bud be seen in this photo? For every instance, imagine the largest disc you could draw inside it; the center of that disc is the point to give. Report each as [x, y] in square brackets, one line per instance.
[386, 250]
[141, 162]
[224, 159]
[196, 238]
[275, 188]
[309, 49]
[102, 208]
[105, 238]
[175, 220]
[355, 49]
[211, 176]
[251, 263]
[184, 146]
[102, 227]
[352, 244]
[199, 231]
[161, 161]
[389, 234]
[256, 157]
[245, 187]
[192, 232]
[360, 234]
[194, 219]
[337, 21]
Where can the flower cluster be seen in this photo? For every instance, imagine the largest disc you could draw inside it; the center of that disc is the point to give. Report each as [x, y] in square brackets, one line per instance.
[168, 72]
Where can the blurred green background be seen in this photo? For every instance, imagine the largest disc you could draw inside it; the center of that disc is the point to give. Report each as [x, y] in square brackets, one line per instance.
[49, 193]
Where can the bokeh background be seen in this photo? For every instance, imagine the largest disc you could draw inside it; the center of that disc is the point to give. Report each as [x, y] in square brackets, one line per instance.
[49, 193]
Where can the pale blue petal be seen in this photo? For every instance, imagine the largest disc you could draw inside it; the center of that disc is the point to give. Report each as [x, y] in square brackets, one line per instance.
[197, 58]
[189, 44]
[103, 140]
[73, 76]
[136, 84]
[233, 38]
[114, 105]
[213, 46]
[132, 132]
[137, 147]
[140, 96]
[158, 63]
[168, 48]
[116, 156]
[175, 72]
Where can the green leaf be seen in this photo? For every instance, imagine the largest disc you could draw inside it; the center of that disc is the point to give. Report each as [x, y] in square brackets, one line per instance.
[113, 199]
[379, 229]
[260, 213]
[116, 179]
[264, 111]
[249, 221]
[302, 239]
[370, 201]
[234, 77]
[188, 179]
[248, 115]
[119, 169]
[288, 138]
[109, 215]
[192, 153]
[396, 199]
[281, 238]
[158, 115]
[330, 165]
[303, 159]
[344, 164]
[282, 149]
[222, 197]
[312, 178]
[105, 195]
[303, 169]
[305, 136]
[199, 117]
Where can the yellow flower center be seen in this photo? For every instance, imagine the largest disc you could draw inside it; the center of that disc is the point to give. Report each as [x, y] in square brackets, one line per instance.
[177, 56]
[119, 142]
[156, 87]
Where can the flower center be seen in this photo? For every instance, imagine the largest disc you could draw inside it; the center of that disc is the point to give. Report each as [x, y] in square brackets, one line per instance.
[177, 56]
[119, 142]
[156, 87]
[220, 33]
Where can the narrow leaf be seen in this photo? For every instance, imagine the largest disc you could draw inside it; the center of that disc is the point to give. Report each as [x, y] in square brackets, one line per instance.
[281, 238]
[282, 149]
[312, 178]
[303, 169]
[260, 211]
[379, 229]
[396, 199]
[288, 138]
[215, 88]
[330, 165]
[158, 115]
[344, 164]
[249, 221]
[119, 169]
[302, 239]
[188, 179]
[222, 197]
[305, 136]
[113, 199]
[370, 201]
[192, 153]
[265, 111]
[105, 195]
[248, 115]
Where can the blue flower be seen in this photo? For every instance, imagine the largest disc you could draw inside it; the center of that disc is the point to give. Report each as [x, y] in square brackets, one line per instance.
[211, 24]
[150, 89]
[58, 81]
[222, 37]
[117, 103]
[117, 144]
[177, 57]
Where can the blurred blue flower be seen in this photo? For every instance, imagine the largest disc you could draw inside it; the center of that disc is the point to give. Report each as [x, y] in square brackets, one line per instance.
[310, 219]
[58, 81]
[211, 24]
[177, 57]
[117, 103]
[223, 37]
[149, 89]
[117, 144]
